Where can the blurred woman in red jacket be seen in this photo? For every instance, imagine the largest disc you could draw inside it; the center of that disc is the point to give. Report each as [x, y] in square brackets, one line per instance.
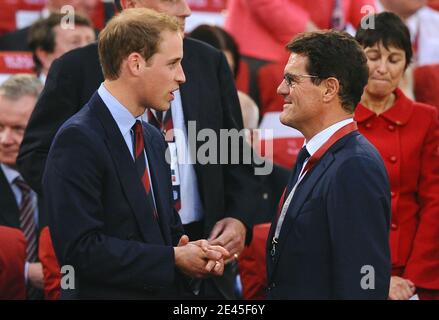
[407, 135]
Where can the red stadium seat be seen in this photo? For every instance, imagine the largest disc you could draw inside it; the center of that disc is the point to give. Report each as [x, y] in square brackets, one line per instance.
[251, 265]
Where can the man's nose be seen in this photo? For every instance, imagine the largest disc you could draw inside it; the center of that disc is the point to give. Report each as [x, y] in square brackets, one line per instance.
[184, 10]
[6, 137]
[180, 77]
[283, 89]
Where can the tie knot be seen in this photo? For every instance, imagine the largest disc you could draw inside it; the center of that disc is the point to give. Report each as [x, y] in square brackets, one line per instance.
[303, 154]
[20, 183]
[137, 128]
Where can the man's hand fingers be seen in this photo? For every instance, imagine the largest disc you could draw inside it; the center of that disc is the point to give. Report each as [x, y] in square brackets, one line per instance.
[216, 231]
[219, 268]
[210, 265]
[224, 252]
[222, 240]
[184, 240]
[213, 255]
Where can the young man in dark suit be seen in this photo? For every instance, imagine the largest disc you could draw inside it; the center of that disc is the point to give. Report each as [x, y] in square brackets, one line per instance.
[330, 238]
[217, 200]
[20, 207]
[107, 185]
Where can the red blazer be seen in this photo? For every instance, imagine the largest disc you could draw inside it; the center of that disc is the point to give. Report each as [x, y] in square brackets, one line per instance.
[12, 260]
[407, 137]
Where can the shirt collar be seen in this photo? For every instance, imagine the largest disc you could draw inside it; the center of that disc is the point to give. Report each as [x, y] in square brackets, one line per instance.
[319, 139]
[10, 173]
[124, 119]
[398, 114]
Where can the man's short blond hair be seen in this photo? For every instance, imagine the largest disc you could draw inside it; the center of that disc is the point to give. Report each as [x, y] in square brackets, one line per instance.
[134, 30]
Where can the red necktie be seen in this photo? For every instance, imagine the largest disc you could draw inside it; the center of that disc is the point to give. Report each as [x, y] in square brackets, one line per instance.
[140, 162]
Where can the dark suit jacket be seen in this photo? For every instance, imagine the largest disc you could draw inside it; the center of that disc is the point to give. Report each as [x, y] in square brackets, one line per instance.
[99, 220]
[209, 97]
[15, 40]
[337, 222]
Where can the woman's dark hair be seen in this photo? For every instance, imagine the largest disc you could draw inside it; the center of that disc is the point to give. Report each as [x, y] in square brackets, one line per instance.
[220, 39]
[389, 30]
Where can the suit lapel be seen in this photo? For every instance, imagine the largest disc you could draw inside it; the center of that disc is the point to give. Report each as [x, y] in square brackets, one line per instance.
[9, 212]
[129, 179]
[157, 175]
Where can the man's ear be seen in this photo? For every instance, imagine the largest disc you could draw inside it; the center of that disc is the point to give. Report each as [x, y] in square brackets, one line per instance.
[331, 89]
[134, 63]
[44, 58]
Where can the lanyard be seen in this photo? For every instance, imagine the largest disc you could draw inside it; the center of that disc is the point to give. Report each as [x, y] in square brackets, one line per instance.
[351, 127]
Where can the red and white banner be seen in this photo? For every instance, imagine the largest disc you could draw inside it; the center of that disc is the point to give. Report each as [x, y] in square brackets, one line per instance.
[12, 62]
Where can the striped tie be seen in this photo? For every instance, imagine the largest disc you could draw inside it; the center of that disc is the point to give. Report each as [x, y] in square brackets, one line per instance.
[27, 225]
[27, 221]
[140, 162]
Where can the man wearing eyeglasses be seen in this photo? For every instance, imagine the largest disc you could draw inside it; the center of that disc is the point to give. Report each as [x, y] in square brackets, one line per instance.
[329, 238]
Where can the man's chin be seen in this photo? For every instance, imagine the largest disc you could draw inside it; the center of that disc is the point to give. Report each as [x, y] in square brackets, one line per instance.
[11, 163]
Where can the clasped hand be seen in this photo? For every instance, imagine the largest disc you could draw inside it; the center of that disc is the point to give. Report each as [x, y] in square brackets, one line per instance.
[199, 259]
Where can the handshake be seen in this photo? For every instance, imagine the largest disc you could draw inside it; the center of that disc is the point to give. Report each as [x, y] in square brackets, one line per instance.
[199, 259]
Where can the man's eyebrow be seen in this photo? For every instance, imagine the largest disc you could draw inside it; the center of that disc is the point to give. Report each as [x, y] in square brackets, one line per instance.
[174, 60]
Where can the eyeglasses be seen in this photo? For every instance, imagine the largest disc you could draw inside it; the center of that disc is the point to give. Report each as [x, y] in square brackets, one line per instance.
[293, 79]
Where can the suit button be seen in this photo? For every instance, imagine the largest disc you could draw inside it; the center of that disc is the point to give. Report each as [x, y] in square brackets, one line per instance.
[368, 125]
[393, 159]
[394, 226]
[391, 127]
[265, 196]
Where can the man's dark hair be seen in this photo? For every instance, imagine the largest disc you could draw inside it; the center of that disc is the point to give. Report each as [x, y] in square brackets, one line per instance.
[42, 35]
[389, 30]
[334, 54]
